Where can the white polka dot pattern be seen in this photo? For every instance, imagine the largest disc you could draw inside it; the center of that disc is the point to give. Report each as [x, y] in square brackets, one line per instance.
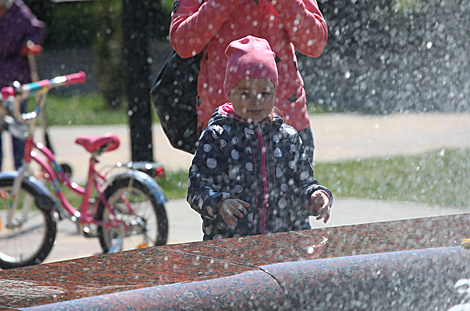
[278, 153]
[207, 148]
[284, 187]
[235, 154]
[211, 163]
[282, 203]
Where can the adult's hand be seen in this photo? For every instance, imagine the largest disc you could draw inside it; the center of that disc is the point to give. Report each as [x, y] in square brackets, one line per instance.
[31, 48]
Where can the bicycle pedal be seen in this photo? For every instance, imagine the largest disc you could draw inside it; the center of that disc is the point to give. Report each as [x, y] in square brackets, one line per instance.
[88, 233]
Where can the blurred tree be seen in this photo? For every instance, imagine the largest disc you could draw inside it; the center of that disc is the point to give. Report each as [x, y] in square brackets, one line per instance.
[159, 19]
[108, 45]
[107, 49]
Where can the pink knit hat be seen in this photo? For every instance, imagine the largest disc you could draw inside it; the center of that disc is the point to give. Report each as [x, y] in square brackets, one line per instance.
[249, 57]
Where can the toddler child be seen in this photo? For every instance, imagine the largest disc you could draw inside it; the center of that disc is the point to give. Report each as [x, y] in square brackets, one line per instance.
[250, 174]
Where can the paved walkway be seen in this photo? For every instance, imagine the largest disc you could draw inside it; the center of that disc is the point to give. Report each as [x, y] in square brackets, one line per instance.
[337, 136]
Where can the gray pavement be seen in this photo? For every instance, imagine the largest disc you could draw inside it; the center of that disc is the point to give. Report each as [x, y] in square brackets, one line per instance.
[337, 136]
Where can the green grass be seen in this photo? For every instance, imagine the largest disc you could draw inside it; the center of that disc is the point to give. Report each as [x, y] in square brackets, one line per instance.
[406, 5]
[174, 184]
[316, 108]
[84, 110]
[437, 178]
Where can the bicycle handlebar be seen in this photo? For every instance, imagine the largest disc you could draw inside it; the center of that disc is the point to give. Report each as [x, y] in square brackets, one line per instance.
[31, 89]
[74, 78]
[24, 91]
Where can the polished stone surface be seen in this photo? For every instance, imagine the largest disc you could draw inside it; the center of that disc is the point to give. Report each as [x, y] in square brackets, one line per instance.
[336, 241]
[231, 264]
[407, 280]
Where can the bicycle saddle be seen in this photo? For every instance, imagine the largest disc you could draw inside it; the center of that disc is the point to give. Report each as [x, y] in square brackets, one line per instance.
[106, 142]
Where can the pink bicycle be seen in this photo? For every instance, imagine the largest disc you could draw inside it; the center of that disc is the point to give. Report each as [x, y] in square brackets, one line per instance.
[124, 210]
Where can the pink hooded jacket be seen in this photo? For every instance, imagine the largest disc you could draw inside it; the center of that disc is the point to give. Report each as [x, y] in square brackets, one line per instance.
[211, 25]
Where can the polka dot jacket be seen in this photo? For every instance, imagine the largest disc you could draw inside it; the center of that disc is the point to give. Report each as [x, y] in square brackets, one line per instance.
[262, 164]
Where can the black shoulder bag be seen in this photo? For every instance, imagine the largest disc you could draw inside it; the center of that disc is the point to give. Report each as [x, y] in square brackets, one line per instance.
[174, 97]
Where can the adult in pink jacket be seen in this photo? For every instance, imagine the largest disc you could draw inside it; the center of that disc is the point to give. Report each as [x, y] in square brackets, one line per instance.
[209, 26]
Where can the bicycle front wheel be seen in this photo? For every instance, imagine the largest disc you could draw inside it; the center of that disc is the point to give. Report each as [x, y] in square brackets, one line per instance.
[146, 221]
[29, 237]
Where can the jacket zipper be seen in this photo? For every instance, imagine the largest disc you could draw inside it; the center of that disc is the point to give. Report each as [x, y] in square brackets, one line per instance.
[264, 175]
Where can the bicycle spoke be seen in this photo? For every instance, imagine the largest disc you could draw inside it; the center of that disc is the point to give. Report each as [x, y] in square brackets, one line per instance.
[30, 236]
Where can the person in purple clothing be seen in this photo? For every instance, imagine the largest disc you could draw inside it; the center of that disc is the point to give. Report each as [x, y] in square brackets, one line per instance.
[20, 32]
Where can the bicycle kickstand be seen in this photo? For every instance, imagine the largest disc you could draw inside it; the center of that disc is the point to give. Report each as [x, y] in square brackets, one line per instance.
[118, 244]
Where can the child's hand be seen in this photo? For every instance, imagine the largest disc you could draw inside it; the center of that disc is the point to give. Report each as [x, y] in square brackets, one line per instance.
[321, 203]
[230, 208]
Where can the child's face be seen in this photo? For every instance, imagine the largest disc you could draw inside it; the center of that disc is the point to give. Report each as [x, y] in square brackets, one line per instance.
[253, 99]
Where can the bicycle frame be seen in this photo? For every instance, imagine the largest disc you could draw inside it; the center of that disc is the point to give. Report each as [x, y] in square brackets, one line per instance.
[56, 176]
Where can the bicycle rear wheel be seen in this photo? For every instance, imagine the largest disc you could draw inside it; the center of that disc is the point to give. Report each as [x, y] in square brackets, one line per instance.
[147, 226]
[31, 235]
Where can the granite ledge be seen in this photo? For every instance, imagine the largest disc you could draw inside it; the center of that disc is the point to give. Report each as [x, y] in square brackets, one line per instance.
[213, 260]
